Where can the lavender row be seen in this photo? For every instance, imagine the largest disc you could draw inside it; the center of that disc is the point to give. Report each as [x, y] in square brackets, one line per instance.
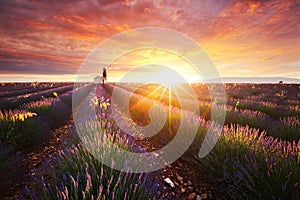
[273, 110]
[162, 95]
[173, 119]
[39, 87]
[239, 114]
[277, 94]
[247, 165]
[18, 86]
[265, 92]
[23, 129]
[76, 174]
[278, 128]
[15, 102]
[31, 125]
[52, 110]
[102, 103]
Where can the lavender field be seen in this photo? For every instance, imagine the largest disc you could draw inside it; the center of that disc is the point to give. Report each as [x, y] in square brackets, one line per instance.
[43, 156]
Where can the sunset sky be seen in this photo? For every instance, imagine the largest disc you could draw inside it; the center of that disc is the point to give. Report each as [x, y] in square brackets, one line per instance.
[49, 40]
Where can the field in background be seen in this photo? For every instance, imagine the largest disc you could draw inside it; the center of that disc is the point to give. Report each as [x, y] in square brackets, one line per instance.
[257, 155]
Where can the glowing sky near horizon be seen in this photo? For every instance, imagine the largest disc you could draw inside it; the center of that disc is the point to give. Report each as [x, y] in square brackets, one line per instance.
[48, 40]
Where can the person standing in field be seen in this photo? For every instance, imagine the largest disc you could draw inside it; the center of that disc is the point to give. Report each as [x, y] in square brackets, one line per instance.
[104, 76]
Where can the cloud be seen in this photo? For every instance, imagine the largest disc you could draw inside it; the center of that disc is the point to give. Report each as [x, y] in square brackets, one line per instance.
[16, 61]
[54, 37]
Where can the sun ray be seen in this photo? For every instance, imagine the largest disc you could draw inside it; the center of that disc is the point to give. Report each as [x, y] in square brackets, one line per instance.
[146, 96]
[162, 95]
[170, 104]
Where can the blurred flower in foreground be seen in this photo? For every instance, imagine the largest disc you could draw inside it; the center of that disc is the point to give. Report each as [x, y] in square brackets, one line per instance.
[21, 116]
[55, 94]
[104, 103]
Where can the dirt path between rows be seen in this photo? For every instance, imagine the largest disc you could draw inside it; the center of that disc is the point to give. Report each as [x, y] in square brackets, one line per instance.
[187, 183]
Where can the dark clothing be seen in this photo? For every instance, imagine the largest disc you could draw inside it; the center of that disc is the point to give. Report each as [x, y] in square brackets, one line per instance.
[103, 76]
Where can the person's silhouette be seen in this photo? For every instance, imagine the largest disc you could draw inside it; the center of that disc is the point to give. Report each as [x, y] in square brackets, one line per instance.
[104, 76]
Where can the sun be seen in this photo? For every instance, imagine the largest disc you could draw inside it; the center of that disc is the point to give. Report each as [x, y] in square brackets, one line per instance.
[164, 77]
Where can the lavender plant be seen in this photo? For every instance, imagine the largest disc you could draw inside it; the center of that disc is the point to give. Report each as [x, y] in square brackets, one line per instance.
[15, 102]
[76, 174]
[246, 165]
[54, 111]
[289, 127]
[23, 129]
[30, 89]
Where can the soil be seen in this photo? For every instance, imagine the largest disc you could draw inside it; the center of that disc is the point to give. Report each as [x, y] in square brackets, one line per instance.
[188, 184]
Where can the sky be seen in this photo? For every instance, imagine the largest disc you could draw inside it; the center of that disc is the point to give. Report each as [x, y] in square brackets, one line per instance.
[49, 40]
